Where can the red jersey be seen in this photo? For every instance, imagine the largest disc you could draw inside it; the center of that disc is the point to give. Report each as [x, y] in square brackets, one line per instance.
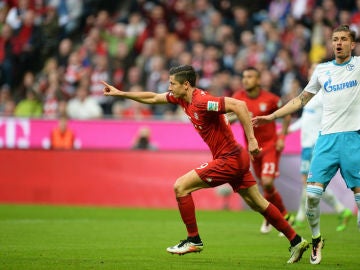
[206, 113]
[264, 104]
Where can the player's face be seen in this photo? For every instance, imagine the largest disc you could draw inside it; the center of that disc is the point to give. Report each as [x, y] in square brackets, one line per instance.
[342, 45]
[176, 87]
[250, 80]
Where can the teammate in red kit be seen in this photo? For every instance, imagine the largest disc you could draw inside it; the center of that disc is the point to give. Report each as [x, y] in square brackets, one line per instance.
[230, 164]
[265, 165]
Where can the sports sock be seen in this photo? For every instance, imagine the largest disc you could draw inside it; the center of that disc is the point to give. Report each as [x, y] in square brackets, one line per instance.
[357, 200]
[300, 215]
[275, 218]
[187, 211]
[272, 195]
[314, 194]
[195, 239]
[330, 198]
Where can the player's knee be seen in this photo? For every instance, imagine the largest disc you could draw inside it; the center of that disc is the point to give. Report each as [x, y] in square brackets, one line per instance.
[179, 189]
[267, 183]
[313, 194]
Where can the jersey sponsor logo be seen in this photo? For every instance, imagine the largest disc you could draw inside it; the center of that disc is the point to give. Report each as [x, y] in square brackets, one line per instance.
[338, 87]
[213, 106]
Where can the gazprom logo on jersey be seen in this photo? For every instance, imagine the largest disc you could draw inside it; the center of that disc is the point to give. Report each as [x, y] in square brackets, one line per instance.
[338, 87]
[213, 106]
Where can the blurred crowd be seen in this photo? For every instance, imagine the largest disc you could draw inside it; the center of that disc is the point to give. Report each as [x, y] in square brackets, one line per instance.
[54, 54]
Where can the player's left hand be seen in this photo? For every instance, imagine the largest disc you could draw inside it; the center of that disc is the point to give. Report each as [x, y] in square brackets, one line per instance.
[254, 149]
[261, 120]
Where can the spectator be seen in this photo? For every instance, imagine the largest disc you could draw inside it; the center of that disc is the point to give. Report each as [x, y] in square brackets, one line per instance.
[16, 13]
[136, 25]
[83, 106]
[134, 77]
[27, 44]
[62, 137]
[116, 36]
[63, 53]
[7, 105]
[30, 106]
[73, 73]
[143, 140]
[52, 96]
[100, 72]
[134, 110]
[28, 83]
[69, 12]
[6, 56]
[242, 20]
[51, 33]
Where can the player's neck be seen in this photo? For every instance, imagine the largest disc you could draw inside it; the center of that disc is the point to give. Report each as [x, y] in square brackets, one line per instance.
[253, 92]
[340, 61]
[189, 94]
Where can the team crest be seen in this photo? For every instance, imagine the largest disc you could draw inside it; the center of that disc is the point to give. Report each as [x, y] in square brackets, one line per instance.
[262, 107]
[350, 67]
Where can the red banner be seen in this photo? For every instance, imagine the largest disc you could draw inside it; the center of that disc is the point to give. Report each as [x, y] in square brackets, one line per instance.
[108, 178]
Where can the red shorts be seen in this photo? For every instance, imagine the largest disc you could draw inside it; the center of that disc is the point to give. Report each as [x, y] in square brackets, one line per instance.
[267, 163]
[233, 169]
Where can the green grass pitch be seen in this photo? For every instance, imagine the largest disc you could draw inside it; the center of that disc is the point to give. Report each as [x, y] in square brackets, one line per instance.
[60, 237]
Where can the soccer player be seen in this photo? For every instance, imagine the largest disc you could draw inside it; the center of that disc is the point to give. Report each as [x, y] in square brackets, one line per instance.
[230, 164]
[309, 125]
[338, 145]
[265, 165]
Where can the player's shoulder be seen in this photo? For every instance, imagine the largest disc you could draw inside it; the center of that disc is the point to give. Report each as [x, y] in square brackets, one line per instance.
[268, 95]
[239, 94]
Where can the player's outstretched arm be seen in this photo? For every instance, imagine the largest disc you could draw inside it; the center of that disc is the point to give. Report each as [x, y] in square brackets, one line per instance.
[143, 97]
[292, 106]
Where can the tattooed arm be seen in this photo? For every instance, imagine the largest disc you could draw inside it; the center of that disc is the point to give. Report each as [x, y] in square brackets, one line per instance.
[292, 106]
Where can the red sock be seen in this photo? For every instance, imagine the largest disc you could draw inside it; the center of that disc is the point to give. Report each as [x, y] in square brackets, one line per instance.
[273, 196]
[275, 218]
[187, 212]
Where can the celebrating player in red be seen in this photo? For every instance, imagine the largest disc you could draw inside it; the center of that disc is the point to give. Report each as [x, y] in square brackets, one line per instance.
[265, 165]
[230, 164]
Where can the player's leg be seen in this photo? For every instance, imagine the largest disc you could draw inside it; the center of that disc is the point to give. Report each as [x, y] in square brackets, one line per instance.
[344, 213]
[258, 203]
[183, 187]
[306, 154]
[301, 212]
[349, 168]
[269, 168]
[323, 167]
[357, 201]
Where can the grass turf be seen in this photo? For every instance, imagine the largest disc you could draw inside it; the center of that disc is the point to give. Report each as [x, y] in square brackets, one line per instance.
[59, 237]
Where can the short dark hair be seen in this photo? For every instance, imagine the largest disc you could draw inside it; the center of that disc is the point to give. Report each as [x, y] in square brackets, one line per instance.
[251, 69]
[346, 28]
[184, 73]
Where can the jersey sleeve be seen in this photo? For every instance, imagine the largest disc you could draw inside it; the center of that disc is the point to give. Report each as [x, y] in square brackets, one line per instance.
[171, 99]
[313, 85]
[213, 104]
